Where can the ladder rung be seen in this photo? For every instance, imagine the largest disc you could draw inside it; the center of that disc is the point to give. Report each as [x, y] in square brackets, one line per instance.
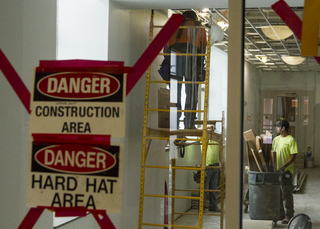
[178, 197]
[196, 190]
[182, 26]
[168, 225]
[189, 213]
[183, 54]
[185, 82]
[166, 110]
[180, 167]
[172, 167]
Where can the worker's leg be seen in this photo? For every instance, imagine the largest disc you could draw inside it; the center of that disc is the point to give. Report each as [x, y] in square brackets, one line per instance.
[177, 72]
[282, 214]
[213, 184]
[191, 104]
[287, 190]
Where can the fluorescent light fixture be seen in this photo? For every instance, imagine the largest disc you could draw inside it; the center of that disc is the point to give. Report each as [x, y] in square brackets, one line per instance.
[293, 60]
[262, 58]
[223, 25]
[277, 32]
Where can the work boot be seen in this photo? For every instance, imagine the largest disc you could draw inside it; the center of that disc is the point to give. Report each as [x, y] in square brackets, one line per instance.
[215, 209]
[285, 220]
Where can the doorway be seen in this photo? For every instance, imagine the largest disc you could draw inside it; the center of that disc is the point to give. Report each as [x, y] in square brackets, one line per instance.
[294, 106]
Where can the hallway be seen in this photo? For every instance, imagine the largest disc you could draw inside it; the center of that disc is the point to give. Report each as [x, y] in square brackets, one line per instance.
[305, 201]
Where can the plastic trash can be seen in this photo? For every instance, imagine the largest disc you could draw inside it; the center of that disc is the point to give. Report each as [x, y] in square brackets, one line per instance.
[264, 195]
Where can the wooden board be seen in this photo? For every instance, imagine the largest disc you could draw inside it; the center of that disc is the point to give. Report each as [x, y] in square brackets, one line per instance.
[261, 156]
[249, 135]
[256, 159]
[273, 160]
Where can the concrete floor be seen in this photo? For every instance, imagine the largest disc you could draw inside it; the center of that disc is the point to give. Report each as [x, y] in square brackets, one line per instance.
[305, 201]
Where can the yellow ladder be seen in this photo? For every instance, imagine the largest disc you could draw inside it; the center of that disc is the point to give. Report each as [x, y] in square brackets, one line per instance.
[150, 134]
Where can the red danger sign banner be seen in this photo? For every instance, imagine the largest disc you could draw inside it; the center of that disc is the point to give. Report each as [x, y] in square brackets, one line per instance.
[80, 159]
[79, 86]
[72, 102]
[75, 175]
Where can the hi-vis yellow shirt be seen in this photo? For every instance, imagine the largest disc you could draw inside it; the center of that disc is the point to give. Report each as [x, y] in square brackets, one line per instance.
[287, 146]
[212, 153]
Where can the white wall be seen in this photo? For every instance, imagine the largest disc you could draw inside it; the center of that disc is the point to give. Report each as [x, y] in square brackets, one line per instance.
[218, 85]
[27, 34]
[82, 29]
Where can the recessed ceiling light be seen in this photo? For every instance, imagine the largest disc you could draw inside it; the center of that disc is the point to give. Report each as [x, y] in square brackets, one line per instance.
[293, 60]
[277, 32]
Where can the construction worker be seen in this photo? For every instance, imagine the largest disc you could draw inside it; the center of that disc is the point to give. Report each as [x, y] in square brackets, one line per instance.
[286, 150]
[190, 40]
[212, 174]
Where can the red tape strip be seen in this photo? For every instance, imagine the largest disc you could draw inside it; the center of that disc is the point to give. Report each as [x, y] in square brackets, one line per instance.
[291, 19]
[103, 221]
[153, 50]
[92, 139]
[34, 214]
[15, 81]
[31, 218]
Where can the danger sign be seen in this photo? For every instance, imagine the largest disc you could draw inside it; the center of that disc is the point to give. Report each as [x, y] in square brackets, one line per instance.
[78, 102]
[74, 112]
[75, 175]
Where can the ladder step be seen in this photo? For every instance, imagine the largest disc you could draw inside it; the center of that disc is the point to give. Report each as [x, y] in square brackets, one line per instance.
[166, 110]
[168, 225]
[177, 197]
[195, 213]
[196, 190]
[183, 54]
[184, 82]
[180, 167]
[173, 167]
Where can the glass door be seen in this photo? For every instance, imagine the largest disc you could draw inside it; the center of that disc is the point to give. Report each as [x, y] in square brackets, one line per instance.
[286, 108]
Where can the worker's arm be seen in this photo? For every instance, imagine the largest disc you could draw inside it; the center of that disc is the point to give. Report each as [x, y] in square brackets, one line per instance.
[289, 162]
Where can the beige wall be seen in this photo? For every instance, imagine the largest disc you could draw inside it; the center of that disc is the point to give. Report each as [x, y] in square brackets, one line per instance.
[28, 34]
[306, 84]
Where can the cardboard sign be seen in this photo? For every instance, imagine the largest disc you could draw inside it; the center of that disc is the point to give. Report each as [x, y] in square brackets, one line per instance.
[81, 102]
[72, 174]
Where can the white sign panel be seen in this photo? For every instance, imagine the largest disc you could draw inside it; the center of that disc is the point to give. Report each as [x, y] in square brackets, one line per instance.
[78, 102]
[75, 175]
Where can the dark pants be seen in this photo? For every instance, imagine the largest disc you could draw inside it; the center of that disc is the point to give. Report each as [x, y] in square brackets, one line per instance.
[211, 182]
[188, 68]
[286, 195]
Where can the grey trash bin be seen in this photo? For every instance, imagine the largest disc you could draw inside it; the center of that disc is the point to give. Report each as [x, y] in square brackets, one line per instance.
[264, 195]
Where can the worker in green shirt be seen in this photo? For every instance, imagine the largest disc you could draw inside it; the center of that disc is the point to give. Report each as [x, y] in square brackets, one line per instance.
[286, 150]
[212, 174]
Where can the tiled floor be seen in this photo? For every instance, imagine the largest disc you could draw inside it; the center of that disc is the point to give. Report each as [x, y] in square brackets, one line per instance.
[306, 201]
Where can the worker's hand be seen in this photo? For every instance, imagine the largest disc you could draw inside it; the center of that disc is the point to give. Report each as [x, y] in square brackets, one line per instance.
[282, 169]
[211, 127]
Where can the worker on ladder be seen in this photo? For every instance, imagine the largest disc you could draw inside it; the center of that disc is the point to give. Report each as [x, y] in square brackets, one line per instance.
[191, 40]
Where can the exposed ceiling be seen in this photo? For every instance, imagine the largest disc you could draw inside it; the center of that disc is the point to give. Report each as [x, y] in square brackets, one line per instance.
[257, 44]
[257, 14]
[184, 4]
